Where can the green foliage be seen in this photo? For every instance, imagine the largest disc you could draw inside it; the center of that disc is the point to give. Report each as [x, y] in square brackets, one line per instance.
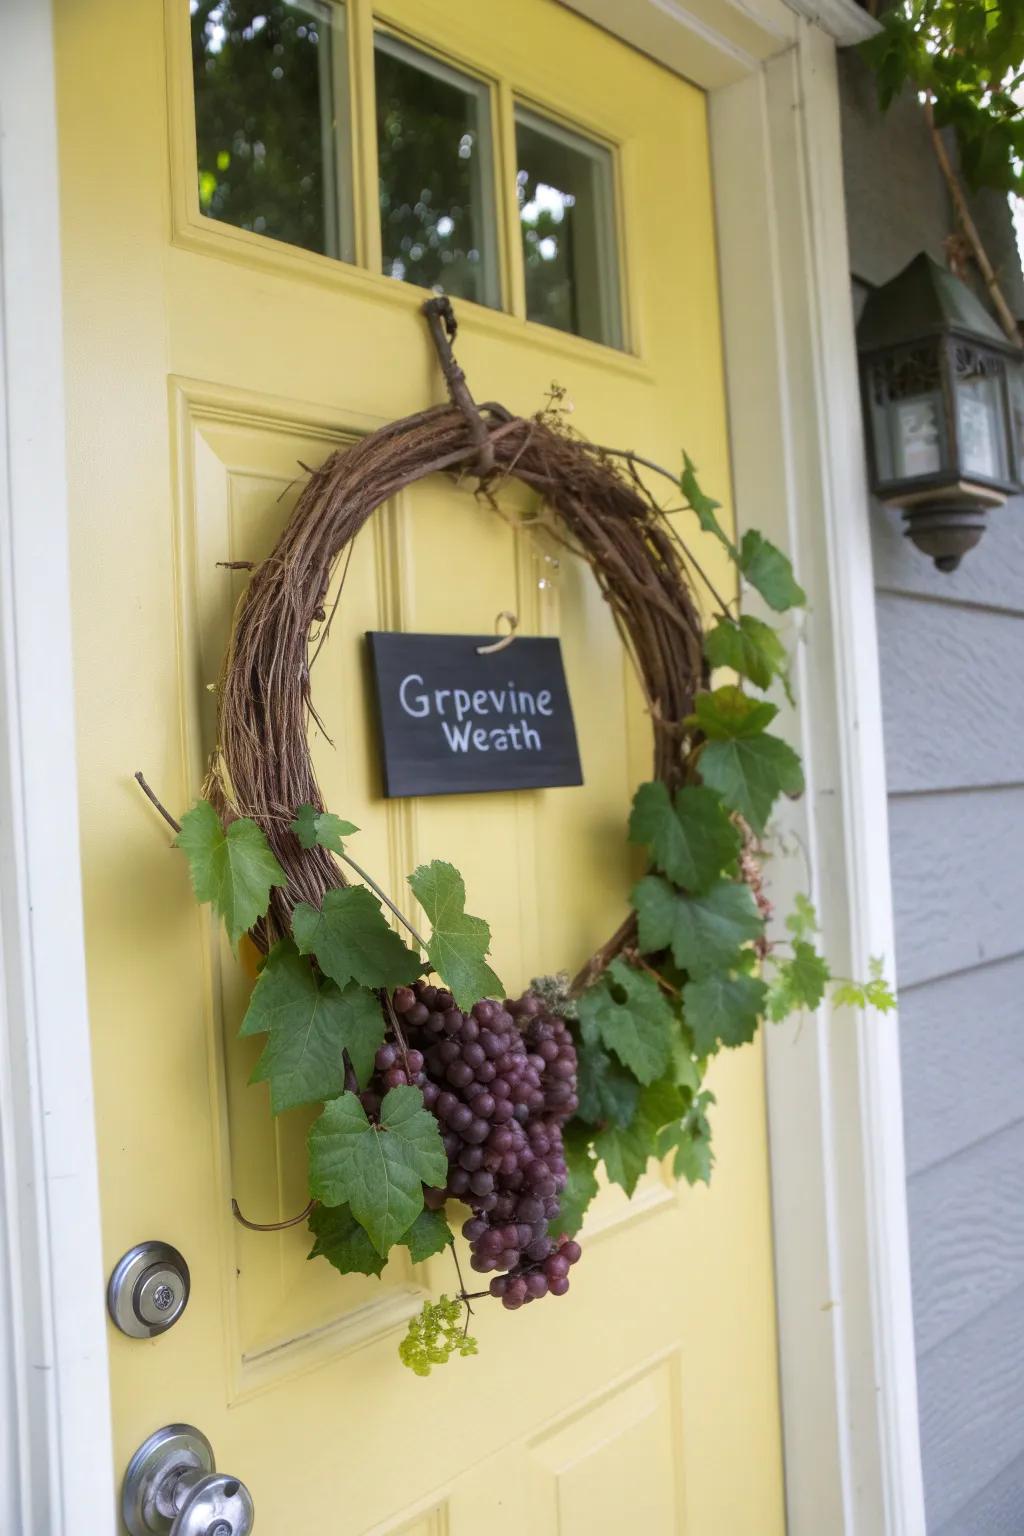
[627, 1012]
[343, 1242]
[690, 836]
[434, 1335]
[379, 1170]
[458, 943]
[581, 1185]
[690, 1140]
[723, 1010]
[751, 648]
[309, 1023]
[750, 772]
[233, 869]
[606, 1090]
[312, 827]
[704, 933]
[429, 1234]
[874, 993]
[352, 940]
[800, 981]
[770, 572]
[626, 1149]
[966, 57]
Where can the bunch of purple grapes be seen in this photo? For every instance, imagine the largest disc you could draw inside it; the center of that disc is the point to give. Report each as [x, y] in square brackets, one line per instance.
[501, 1081]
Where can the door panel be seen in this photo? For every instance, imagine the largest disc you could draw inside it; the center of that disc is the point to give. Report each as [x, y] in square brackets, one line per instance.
[207, 366]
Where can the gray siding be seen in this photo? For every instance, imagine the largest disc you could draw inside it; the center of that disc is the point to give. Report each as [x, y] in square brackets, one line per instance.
[952, 674]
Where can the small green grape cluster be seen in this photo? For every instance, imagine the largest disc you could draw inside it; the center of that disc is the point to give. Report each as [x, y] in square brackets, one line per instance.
[434, 1335]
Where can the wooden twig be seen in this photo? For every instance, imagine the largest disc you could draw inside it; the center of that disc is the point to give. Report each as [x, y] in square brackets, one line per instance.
[164, 812]
[1007, 319]
[443, 327]
[272, 1226]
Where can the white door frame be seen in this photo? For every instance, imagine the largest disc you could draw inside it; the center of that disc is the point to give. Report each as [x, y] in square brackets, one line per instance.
[842, 1265]
[56, 1470]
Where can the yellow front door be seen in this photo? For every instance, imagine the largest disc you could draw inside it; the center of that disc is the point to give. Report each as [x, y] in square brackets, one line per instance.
[244, 227]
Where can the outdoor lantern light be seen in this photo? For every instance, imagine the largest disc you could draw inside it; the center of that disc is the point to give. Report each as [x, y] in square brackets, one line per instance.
[944, 407]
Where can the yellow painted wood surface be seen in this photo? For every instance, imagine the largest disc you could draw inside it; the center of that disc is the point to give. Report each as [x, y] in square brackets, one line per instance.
[203, 364]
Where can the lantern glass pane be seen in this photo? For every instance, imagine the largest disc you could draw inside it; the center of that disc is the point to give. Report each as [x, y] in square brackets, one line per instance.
[1015, 379]
[979, 412]
[908, 419]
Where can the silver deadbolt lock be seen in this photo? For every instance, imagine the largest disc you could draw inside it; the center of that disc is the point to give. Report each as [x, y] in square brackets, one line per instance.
[172, 1488]
[148, 1290]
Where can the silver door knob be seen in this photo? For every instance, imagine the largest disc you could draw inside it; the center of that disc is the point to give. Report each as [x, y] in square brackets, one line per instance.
[172, 1488]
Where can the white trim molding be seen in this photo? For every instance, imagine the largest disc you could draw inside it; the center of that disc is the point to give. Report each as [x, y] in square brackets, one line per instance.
[56, 1473]
[844, 20]
[847, 1367]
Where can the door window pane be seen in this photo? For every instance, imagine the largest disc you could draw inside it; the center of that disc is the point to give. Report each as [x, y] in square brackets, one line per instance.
[272, 119]
[565, 186]
[437, 218]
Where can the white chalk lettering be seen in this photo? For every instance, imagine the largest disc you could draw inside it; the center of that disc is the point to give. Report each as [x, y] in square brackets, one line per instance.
[422, 702]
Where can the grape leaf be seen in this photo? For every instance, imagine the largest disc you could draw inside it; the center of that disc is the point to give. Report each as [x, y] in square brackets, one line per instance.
[429, 1234]
[803, 920]
[800, 981]
[726, 713]
[690, 1138]
[704, 506]
[751, 773]
[233, 869]
[751, 648]
[770, 572]
[638, 1028]
[704, 932]
[342, 1241]
[723, 1010]
[312, 827]
[581, 1184]
[458, 943]
[875, 993]
[606, 1091]
[352, 940]
[309, 1023]
[626, 1150]
[379, 1170]
[692, 838]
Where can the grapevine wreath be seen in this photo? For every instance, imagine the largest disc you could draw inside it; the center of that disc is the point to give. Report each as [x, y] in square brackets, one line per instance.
[435, 1088]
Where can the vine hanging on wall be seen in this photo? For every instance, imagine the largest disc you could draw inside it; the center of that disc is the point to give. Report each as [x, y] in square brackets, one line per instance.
[444, 1091]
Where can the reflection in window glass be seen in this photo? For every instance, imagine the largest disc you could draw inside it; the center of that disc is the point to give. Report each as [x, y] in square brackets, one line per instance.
[437, 220]
[567, 216]
[272, 119]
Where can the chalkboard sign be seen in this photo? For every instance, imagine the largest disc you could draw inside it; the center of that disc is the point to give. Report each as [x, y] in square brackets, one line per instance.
[454, 722]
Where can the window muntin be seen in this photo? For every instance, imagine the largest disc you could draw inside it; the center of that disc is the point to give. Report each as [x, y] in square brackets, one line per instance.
[270, 81]
[565, 186]
[438, 224]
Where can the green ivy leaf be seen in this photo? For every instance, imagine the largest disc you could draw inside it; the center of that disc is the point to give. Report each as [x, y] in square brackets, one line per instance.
[691, 837]
[704, 506]
[751, 648]
[690, 1138]
[352, 941]
[750, 773]
[727, 713]
[379, 1170]
[723, 1010]
[626, 1150]
[233, 869]
[312, 827]
[581, 1184]
[800, 982]
[458, 943]
[875, 993]
[628, 1013]
[770, 572]
[704, 932]
[309, 1023]
[429, 1234]
[606, 1091]
[342, 1241]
